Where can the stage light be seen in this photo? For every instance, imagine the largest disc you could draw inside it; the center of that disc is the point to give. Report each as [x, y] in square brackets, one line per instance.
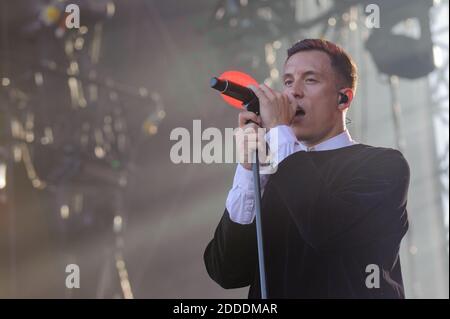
[5, 81]
[438, 56]
[2, 175]
[239, 78]
[412, 55]
[117, 224]
[64, 211]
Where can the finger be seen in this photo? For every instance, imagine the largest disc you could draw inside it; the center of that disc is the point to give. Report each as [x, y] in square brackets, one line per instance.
[259, 123]
[290, 102]
[261, 133]
[268, 91]
[248, 148]
[246, 116]
[250, 128]
[258, 92]
[249, 139]
[243, 133]
[250, 132]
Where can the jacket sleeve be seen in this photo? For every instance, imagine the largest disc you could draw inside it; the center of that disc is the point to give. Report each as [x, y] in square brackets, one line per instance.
[368, 206]
[231, 256]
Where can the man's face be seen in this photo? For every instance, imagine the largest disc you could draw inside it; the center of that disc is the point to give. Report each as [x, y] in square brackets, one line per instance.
[310, 81]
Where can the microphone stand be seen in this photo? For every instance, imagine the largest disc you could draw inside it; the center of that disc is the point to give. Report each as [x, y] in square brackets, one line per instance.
[254, 105]
[251, 103]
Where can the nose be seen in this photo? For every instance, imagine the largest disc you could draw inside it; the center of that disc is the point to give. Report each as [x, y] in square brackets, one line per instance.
[295, 90]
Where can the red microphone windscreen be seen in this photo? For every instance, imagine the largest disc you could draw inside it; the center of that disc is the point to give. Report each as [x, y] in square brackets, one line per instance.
[238, 78]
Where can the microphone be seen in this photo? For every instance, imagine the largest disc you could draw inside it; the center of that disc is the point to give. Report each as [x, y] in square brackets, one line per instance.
[245, 95]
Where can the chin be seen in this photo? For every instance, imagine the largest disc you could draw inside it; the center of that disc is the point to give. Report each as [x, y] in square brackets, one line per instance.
[299, 132]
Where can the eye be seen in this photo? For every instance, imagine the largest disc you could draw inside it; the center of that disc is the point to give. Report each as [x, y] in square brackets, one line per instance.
[287, 82]
[310, 80]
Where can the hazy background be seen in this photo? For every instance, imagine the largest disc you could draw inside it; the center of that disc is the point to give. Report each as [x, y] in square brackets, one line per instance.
[86, 115]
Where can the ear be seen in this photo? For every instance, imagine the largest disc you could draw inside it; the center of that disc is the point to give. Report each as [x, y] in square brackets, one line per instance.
[349, 93]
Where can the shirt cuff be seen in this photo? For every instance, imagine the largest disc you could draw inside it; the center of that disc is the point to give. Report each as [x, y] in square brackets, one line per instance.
[240, 202]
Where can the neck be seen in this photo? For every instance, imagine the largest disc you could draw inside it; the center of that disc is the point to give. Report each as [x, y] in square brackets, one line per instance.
[332, 133]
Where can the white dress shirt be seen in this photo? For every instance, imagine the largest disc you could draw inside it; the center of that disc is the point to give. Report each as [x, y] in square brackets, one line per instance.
[240, 202]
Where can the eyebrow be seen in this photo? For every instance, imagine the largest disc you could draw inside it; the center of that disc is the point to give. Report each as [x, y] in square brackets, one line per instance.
[307, 73]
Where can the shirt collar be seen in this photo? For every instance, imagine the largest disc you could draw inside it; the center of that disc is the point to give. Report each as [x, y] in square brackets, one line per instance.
[341, 140]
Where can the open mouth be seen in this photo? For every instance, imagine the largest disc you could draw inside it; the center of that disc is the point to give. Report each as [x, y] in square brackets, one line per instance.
[300, 111]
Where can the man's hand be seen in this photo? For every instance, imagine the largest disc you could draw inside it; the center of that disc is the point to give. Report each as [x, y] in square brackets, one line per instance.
[249, 137]
[275, 107]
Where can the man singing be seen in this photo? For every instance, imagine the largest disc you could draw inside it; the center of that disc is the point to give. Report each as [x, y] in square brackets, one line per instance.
[334, 213]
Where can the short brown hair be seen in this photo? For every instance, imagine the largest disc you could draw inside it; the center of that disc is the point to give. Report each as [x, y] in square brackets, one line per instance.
[342, 63]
